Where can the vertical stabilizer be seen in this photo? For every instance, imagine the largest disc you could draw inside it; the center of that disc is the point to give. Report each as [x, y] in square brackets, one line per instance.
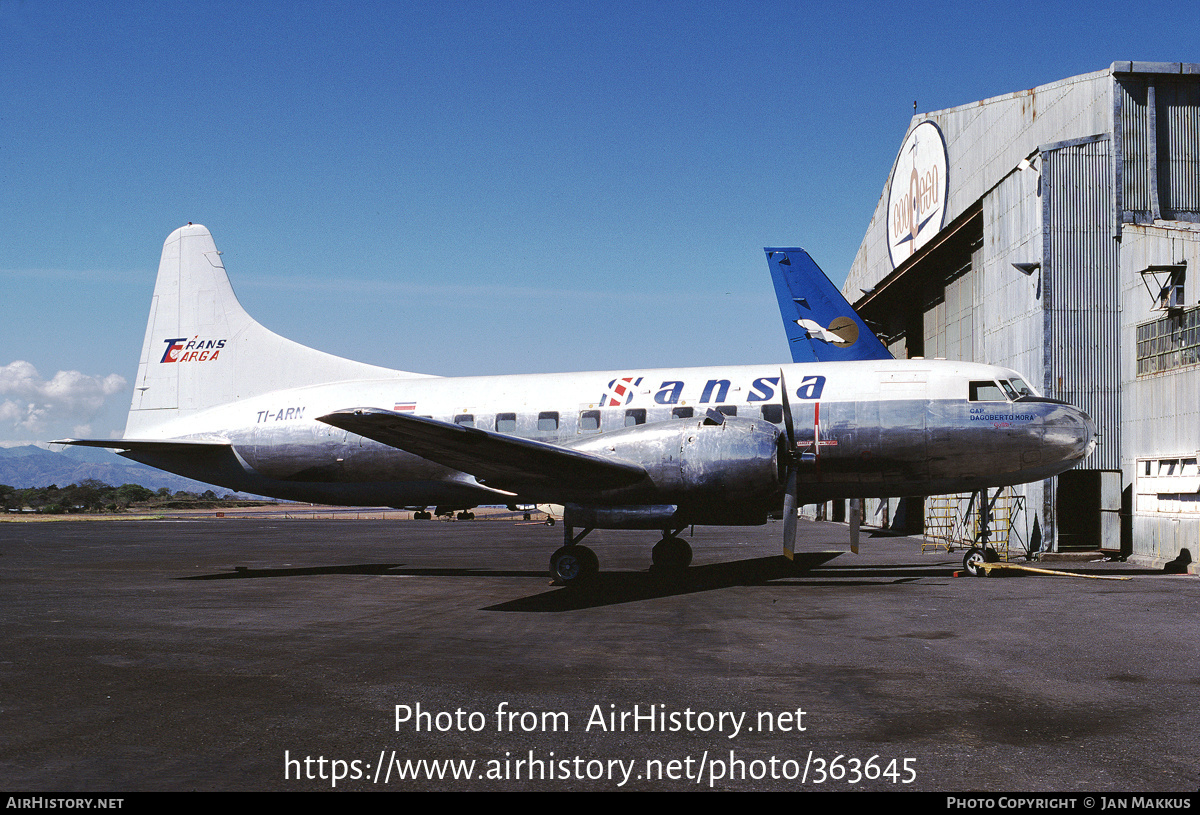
[202, 349]
[821, 326]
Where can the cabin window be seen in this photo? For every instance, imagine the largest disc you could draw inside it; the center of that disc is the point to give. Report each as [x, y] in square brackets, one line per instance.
[506, 423]
[548, 420]
[465, 419]
[682, 413]
[728, 410]
[986, 392]
[773, 413]
[589, 421]
[635, 416]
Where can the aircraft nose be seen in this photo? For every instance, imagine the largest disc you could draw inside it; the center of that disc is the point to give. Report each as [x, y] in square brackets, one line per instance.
[1072, 434]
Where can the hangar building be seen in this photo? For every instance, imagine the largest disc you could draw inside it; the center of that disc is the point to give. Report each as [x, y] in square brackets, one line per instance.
[1057, 231]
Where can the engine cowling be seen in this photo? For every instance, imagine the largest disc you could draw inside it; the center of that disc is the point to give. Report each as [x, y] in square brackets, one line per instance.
[733, 462]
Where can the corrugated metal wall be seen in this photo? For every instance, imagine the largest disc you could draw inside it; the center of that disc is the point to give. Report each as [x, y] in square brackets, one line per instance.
[1159, 161]
[1081, 298]
[1135, 149]
[1178, 106]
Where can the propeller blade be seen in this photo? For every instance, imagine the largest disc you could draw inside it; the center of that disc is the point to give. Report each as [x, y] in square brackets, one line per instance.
[789, 514]
[791, 491]
[855, 520]
[787, 417]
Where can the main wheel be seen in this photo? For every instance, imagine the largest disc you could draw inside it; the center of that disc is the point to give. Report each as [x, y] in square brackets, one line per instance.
[671, 554]
[574, 565]
[974, 560]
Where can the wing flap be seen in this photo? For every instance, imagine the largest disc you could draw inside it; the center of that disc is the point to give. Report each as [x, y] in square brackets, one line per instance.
[495, 459]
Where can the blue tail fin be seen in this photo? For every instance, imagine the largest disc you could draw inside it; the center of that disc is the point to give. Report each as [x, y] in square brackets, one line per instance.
[821, 326]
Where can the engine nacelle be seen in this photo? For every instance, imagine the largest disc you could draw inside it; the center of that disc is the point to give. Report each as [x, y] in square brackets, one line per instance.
[731, 463]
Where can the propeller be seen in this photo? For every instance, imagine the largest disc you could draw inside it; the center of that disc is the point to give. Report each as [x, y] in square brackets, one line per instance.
[793, 458]
[791, 492]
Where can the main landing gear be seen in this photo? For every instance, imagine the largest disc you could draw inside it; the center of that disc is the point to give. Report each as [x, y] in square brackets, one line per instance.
[672, 553]
[574, 564]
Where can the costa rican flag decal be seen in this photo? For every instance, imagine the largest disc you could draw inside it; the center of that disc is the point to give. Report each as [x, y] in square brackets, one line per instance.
[620, 392]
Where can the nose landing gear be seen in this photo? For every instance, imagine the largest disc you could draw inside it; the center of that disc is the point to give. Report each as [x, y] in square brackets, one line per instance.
[977, 556]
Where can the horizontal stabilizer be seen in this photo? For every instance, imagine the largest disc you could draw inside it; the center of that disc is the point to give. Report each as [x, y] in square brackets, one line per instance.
[146, 445]
[495, 459]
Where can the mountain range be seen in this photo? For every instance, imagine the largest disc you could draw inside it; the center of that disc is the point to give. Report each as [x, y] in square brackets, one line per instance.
[32, 466]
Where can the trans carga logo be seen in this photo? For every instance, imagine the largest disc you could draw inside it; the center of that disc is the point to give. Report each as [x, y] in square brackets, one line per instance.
[181, 349]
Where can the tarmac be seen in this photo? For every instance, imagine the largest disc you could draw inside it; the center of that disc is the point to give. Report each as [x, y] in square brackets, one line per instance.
[284, 654]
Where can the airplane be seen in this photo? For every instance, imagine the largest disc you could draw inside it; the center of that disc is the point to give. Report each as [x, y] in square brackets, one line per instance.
[221, 399]
[821, 326]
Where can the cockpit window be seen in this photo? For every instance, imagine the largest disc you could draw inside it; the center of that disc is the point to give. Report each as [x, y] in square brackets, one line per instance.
[1021, 388]
[1008, 389]
[986, 392]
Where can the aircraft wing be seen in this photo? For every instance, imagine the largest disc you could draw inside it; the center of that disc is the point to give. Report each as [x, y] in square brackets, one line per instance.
[495, 459]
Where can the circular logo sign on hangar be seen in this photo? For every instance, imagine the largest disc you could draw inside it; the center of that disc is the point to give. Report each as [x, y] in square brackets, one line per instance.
[916, 209]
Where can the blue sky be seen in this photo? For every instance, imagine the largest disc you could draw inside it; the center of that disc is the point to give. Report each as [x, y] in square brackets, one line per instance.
[470, 187]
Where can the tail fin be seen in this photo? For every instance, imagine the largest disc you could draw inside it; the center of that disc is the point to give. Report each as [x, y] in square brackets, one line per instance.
[821, 326]
[202, 349]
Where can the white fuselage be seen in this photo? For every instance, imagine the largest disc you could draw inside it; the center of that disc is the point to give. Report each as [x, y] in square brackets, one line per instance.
[884, 427]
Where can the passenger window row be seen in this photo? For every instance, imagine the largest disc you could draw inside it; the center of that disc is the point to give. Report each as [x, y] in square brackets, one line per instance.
[589, 420]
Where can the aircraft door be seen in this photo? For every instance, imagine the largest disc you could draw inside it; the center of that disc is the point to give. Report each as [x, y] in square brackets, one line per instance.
[903, 430]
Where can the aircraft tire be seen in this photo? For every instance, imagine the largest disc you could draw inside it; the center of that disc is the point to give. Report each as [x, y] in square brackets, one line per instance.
[671, 554]
[574, 565]
[549, 522]
[973, 562]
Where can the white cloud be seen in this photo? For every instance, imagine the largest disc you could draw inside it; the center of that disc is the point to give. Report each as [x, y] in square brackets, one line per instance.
[69, 399]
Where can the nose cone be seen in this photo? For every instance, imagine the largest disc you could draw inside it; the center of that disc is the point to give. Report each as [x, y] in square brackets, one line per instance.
[1070, 435]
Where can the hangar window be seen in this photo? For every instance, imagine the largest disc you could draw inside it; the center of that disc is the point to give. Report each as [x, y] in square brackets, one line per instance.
[506, 423]
[635, 416]
[465, 419]
[773, 413]
[1169, 342]
[1168, 485]
[589, 421]
[548, 420]
[682, 413]
[986, 392]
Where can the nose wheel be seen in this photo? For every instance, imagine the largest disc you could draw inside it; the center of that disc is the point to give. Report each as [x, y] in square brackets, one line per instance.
[975, 558]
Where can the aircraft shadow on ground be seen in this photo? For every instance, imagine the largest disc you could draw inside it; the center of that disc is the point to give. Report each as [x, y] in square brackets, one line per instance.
[615, 587]
[612, 588]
